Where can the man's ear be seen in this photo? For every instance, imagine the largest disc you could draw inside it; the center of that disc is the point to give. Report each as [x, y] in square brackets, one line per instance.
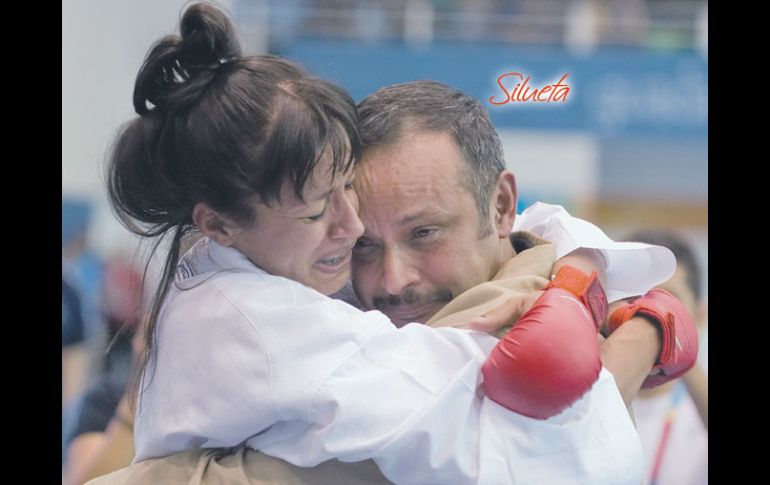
[505, 199]
[211, 224]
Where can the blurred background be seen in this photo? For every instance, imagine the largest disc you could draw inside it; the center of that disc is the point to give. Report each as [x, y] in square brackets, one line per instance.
[627, 151]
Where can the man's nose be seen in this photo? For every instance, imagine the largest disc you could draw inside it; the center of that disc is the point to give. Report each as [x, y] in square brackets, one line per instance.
[398, 273]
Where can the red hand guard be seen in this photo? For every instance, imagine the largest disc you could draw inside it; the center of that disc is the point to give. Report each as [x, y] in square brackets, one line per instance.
[550, 358]
[680, 337]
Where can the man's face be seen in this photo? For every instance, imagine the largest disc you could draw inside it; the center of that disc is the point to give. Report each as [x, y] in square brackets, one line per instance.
[421, 245]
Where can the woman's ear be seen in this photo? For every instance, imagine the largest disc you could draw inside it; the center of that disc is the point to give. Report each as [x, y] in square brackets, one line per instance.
[211, 224]
[505, 198]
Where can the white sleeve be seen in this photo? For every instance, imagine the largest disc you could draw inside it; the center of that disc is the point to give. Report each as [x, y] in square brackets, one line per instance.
[301, 377]
[410, 398]
[631, 268]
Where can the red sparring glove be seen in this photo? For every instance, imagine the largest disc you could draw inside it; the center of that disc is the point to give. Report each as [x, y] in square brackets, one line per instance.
[680, 337]
[550, 358]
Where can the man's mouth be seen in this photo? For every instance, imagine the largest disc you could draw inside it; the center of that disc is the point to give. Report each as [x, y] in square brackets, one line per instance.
[420, 312]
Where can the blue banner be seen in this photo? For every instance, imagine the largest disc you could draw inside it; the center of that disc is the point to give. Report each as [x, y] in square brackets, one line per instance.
[612, 93]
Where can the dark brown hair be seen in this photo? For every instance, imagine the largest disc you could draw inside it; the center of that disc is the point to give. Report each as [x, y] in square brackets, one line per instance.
[219, 128]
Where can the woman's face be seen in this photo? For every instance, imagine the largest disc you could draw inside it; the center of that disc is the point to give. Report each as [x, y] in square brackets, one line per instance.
[308, 241]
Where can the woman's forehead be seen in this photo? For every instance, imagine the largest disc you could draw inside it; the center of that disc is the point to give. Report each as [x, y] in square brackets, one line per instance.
[319, 186]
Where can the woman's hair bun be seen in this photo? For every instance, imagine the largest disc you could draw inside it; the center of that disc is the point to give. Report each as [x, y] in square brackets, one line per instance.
[177, 69]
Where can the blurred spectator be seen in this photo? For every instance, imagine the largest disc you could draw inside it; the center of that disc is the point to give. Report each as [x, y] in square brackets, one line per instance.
[98, 435]
[332, 18]
[702, 29]
[72, 332]
[629, 22]
[122, 307]
[672, 419]
[73, 355]
[582, 25]
[102, 438]
[83, 332]
[83, 271]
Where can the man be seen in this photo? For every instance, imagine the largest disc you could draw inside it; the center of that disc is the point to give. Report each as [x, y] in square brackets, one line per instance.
[434, 231]
[438, 207]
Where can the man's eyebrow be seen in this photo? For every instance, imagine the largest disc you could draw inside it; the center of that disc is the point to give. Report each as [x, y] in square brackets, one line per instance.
[409, 218]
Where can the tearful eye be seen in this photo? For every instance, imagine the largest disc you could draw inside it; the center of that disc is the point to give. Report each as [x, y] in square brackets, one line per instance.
[317, 217]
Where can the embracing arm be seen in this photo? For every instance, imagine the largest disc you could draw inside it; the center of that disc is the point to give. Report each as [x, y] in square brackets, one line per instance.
[629, 354]
[631, 351]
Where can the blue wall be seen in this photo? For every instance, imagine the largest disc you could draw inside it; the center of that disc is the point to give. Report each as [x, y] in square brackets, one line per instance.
[648, 109]
[615, 92]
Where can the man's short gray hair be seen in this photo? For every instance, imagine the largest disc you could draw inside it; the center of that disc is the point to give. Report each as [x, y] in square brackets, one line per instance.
[388, 113]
